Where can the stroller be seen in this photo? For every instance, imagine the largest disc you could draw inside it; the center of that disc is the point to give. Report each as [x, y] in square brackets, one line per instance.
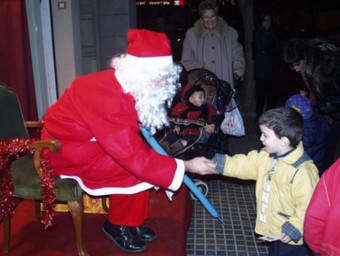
[218, 93]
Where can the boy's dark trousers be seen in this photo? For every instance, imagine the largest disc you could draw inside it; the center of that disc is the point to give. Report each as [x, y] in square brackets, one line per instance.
[278, 248]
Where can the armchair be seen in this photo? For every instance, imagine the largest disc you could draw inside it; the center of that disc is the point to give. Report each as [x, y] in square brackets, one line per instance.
[26, 171]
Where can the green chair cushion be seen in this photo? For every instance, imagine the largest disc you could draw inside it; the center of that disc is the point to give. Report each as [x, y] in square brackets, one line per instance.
[26, 182]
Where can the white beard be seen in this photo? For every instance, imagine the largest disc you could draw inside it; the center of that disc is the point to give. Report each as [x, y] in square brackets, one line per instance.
[151, 96]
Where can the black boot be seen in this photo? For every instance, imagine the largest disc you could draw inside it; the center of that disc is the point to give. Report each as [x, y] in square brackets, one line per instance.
[145, 234]
[124, 238]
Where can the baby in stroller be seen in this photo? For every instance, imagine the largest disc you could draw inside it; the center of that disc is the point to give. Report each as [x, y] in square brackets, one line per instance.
[195, 122]
[192, 120]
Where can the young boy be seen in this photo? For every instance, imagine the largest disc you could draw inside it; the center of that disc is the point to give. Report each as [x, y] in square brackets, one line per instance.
[193, 121]
[285, 180]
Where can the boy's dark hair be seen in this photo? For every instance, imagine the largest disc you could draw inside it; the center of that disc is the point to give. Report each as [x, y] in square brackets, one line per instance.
[285, 122]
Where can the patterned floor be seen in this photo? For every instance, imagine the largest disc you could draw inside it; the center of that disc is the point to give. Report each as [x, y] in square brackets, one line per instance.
[234, 200]
[235, 203]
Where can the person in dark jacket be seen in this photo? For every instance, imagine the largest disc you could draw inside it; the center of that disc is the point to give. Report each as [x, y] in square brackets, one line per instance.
[317, 64]
[315, 129]
[265, 50]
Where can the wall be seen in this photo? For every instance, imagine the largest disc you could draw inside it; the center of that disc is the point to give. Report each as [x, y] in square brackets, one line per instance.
[66, 39]
[114, 20]
[87, 33]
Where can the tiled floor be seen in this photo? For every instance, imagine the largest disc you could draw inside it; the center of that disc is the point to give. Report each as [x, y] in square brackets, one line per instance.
[235, 203]
[234, 200]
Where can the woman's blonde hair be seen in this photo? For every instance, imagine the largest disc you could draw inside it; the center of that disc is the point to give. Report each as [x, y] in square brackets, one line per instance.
[208, 5]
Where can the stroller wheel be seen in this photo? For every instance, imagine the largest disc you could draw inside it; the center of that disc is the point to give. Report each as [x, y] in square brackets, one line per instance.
[202, 186]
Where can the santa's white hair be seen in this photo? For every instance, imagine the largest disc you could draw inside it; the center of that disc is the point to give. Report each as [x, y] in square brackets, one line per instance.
[153, 88]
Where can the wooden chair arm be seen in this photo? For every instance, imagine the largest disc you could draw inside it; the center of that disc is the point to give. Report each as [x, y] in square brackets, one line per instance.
[52, 145]
[34, 124]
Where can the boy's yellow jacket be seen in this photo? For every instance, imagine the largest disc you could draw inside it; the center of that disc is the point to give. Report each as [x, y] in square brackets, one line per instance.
[282, 193]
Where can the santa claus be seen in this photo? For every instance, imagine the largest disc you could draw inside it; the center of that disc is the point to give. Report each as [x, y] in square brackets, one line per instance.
[98, 121]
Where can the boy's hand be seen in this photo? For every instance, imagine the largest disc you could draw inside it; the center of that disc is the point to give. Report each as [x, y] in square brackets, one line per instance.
[285, 239]
[201, 166]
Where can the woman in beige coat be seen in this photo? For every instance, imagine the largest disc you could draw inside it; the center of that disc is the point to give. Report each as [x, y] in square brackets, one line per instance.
[212, 44]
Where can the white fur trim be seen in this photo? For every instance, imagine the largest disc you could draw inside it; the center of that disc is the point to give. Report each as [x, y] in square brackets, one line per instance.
[179, 175]
[162, 61]
[175, 184]
[110, 190]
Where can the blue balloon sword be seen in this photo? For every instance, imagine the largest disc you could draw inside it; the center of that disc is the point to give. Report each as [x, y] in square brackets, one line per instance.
[190, 184]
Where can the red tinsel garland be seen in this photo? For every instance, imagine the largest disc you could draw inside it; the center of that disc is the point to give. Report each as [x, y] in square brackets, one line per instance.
[11, 150]
[48, 191]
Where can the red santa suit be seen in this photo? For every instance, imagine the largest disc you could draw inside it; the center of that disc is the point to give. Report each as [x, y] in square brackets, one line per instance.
[322, 218]
[97, 125]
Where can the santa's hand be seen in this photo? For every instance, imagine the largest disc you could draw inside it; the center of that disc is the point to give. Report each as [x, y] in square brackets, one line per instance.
[201, 166]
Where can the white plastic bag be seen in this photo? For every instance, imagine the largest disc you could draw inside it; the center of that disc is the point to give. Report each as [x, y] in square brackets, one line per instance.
[233, 123]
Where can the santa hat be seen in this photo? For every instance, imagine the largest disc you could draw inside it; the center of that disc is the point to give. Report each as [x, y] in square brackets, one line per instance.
[148, 48]
[302, 104]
